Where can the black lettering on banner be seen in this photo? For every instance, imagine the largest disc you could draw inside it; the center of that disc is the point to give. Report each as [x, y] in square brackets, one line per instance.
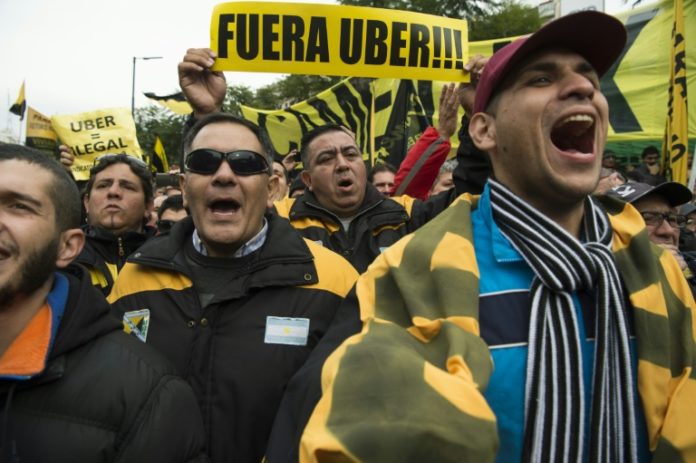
[621, 117]
[678, 147]
[398, 43]
[681, 81]
[419, 54]
[351, 40]
[356, 113]
[293, 30]
[99, 147]
[270, 37]
[224, 34]
[375, 42]
[459, 62]
[448, 47]
[248, 36]
[318, 40]
[437, 46]
[89, 124]
[383, 101]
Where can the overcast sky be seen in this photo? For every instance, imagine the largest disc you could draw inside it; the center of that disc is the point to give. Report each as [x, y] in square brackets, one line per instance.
[77, 55]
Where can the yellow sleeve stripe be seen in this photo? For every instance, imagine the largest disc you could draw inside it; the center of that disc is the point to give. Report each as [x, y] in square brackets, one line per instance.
[136, 278]
[335, 274]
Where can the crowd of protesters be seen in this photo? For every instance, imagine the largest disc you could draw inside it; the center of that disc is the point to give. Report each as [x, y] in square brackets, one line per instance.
[525, 300]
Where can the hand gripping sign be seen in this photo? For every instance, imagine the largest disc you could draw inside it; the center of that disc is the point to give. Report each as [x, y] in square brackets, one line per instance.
[299, 38]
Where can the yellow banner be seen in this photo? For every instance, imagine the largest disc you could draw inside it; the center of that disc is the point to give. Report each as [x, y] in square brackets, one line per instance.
[175, 102]
[93, 134]
[676, 141]
[39, 126]
[386, 115]
[637, 86]
[40, 134]
[337, 40]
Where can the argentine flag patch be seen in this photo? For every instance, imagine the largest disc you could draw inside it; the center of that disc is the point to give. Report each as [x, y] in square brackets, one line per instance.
[285, 330]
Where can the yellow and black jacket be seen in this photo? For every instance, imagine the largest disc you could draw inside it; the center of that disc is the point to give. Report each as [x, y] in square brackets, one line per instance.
[105, 254]
[240, 350]
[410, 385]
[380, 222]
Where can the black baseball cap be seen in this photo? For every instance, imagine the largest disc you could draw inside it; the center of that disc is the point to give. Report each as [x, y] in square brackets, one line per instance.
[675, 193]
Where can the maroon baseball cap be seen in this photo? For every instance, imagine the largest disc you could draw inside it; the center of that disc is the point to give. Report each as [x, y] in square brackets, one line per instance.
[597, 37]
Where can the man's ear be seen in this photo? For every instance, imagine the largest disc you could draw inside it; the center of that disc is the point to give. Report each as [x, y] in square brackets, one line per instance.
[85, 201]
[273, 187]
[482, 131]
[306, 179]
[70, 246]
[182, 187]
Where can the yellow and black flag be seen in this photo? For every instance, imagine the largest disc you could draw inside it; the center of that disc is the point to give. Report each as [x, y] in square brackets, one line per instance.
[176, 102]
[20, 106]
[159, 160]
[676, 140]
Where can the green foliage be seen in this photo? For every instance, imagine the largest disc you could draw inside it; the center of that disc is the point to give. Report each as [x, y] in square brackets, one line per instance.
[238, 95]
[508, 19]
[291, 89]
[488, 19]
[153, 120]
[451, 8]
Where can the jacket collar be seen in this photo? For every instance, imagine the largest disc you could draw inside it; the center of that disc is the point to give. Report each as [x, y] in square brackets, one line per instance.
[308, 205]
[284, 249]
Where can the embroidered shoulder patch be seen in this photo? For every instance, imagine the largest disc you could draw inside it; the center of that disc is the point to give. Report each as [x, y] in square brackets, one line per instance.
[137, 323]
[286, 330]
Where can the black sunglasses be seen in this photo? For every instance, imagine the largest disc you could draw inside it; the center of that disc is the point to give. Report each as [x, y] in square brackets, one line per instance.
[207, 161]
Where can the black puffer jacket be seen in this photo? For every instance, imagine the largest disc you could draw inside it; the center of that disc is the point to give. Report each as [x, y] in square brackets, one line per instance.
[229, 350]
[380, 222]
[105, 254]
[103, 396]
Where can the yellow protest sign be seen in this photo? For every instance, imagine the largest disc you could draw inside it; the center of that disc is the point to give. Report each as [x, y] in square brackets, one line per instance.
[337, 40]
[93, 134]
[40, 134]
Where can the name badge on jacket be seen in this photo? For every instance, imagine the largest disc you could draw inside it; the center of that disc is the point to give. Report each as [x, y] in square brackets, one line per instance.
[286, 330]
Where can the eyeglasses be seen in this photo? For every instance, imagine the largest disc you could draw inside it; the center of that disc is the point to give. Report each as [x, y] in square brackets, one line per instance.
[207, 161]
[655, 219]
[120, 157]
[165, 225]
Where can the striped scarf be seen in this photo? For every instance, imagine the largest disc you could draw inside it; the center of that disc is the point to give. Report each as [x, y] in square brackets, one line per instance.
[555, 399]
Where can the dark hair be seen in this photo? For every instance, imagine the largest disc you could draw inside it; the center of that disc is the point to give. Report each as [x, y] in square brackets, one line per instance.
[138, 167]
[380, 167]
[650, 149]
[296, 184]
[173, 202]
[214, 118]
[63, 190]
[311, 135]
[282, 166]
